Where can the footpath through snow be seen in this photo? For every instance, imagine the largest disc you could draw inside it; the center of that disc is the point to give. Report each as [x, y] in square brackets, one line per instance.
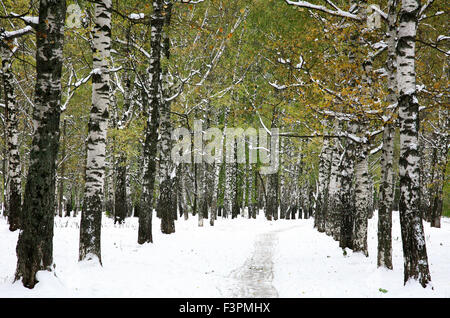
[235, 258]
[255, 277]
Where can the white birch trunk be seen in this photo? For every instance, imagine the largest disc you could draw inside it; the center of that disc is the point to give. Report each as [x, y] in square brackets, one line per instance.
[229, 176]
[362, 202]
[413, 237]
[323, 181]
[386, 198]
[13, 179]
[90, 227]
[166, 205]
[334, 185]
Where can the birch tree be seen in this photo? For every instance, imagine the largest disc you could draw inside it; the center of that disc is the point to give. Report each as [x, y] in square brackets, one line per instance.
[384, 258]
[8, 45]
[35, 243]
[151, 132]
[13, 198]
[166, 206]
[413, 237]
[323, 183]
[91, 217]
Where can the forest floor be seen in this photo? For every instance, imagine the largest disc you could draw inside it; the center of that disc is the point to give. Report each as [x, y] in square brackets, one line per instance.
[235, 258]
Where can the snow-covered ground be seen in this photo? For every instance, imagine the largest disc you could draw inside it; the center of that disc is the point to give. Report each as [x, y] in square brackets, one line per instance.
[202, 262]
[311, 264]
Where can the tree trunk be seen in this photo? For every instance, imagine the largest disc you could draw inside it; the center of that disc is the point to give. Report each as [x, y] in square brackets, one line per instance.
[215, 193]
[69, 204]
[329, 214]
[235, 209]
[13, 197]
[345, 208]
[272, 189]
[35, 244]
[149, 175]
[229, 176]
[120, 196]
[272, 197]
[362, 193]
[166, 207]
[167, 175]
[284, 188]
[202, 192]
[386, 198]
[439, 180]
[386, 192]
[63, 169]
[413, 237]
[323, 180]
[91, 217]
[182, 199]
[151, 133]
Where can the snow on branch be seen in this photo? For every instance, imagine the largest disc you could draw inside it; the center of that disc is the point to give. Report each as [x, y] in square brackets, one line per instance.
[136, 16]
[8, 35]
[288, 62]
[191, 1]
[424, 16]
[335, 11]
[182, 82]
[352, 137]
[379, 49]
[379, 11]
[442, 38]
[282, 87]
[76, 85]
[376, 149]
[338, 115]
[379, 45]
[262, 123]
[376, 132]
[29, 20]
[425, 7]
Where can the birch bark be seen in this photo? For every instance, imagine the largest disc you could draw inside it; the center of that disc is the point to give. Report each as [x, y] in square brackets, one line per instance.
[166, 206]
[384, 258]
[91, 217]
[413, 237]
[13, 181]
[35, 243]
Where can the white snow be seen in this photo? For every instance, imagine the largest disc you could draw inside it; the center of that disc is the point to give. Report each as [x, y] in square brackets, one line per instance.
[442, 38]
[311, 264]
[136, 16]
[197, 262]
[337, 12]
[283, 61]
[27, 19]
[16, 33]
[379, 45]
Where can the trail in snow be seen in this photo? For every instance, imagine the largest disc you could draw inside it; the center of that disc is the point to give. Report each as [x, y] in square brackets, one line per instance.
[254, 278]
